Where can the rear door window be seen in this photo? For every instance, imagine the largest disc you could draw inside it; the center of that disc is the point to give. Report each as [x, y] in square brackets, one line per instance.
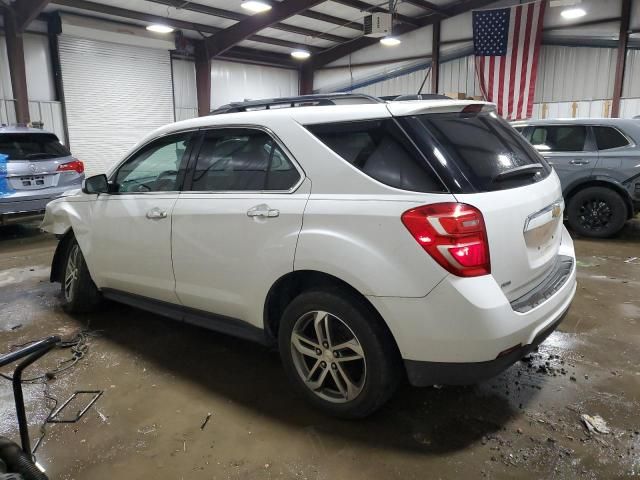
[32, 146]
[381, 150]
[559, 138]
[476, 148]
[609, 137]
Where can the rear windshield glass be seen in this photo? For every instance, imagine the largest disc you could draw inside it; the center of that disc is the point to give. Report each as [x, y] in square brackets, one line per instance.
[482, 148]
[380, 149]
[32, 146]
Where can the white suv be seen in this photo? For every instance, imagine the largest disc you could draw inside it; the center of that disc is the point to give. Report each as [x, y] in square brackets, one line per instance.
[365, 239]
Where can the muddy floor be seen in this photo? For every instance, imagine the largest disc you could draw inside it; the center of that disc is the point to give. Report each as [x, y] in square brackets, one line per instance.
[161, 380]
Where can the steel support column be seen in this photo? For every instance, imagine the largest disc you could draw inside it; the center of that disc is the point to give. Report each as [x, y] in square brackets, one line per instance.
[203, 79]
[623, 39]
[306, 80]
[17, 72]
[435, 58]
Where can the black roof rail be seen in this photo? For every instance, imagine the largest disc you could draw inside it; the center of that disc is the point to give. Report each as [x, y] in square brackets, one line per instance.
[300, 101]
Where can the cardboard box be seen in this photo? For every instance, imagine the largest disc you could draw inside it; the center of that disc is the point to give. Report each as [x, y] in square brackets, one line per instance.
[456, 95]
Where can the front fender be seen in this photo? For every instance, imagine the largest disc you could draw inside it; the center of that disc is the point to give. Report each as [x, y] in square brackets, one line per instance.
[68, 216]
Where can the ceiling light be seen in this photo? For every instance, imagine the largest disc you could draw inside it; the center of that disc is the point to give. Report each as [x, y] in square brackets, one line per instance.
[158, 28]
[300, 54]
[256, 6]
[571, 13]
[390, 41]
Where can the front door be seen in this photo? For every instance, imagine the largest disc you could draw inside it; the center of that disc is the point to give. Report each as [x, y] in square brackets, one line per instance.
[131, 227]
[236, 225]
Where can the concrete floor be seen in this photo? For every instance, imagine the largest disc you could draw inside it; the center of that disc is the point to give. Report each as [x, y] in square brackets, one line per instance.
[161, 379]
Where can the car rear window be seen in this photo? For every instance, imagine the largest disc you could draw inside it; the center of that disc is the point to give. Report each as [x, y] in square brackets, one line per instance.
[475, 149]
[381, 150]
[609, 137]
[32, 146]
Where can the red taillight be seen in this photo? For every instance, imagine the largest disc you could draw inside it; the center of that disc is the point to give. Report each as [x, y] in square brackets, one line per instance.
[75, 165]
[453, 234]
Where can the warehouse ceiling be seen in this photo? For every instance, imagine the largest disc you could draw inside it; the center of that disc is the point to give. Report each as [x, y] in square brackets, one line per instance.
[327, 29]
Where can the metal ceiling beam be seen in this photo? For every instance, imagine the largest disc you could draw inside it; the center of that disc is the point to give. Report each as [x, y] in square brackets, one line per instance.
[179, 24]
[260, 57]
[227, 38]
[27, 10]
[339, 51]
[323, 17]
[424, 5]
[238, 17]
[367, 7]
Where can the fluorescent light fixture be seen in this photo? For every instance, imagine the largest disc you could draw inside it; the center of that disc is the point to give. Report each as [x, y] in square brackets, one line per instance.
[300, 54]
[571, 13]
[390, 41]
[256, 6]
[158, 28]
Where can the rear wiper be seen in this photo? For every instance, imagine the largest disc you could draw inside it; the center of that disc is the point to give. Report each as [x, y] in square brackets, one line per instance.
[38, 155]
[523, 171]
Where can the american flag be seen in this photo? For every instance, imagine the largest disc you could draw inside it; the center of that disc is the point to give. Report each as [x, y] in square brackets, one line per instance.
[506, 44]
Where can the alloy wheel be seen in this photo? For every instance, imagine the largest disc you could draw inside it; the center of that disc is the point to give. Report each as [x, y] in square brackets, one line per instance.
[71, 273]
[595, 214]
[328, 357]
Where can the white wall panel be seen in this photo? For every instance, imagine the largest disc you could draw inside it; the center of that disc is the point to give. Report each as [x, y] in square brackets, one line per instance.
[115, 94]
[631, 84]
[184, 89]
[235, 82]
[459, 75]
[575, 73]
[37, 65]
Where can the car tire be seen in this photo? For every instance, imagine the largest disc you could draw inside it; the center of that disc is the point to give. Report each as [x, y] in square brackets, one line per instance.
[352, 387]
[596, 212]
[79, 293]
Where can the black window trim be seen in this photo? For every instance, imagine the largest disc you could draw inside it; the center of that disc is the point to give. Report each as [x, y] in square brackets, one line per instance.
[182, 171]
[630, 142]
[202, 132]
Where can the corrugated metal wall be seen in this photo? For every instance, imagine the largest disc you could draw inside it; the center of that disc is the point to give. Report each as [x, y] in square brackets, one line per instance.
[575, 73]
[184, 89]
[631, 85]
[233, 82]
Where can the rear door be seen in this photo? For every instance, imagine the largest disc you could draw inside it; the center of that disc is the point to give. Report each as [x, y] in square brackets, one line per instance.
[236, 225]
[570, 149]
[477, 153]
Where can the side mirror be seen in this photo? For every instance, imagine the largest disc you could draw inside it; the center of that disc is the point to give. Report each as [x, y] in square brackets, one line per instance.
[96, 184]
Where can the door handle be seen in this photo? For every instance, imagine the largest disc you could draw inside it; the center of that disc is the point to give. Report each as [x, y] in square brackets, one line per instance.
[579, 161]
[156, 214]
[263, 210]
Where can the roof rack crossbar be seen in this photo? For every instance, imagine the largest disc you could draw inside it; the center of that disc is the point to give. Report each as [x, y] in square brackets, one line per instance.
[299, 101]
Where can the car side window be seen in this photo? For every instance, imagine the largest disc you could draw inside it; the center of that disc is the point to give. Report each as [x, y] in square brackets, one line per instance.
[560, 138]
[155, 168]
[242, 160]
[380, 150]
[609, 137]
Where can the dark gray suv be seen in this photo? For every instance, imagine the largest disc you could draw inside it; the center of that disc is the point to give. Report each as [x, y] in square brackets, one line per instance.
[598, 162]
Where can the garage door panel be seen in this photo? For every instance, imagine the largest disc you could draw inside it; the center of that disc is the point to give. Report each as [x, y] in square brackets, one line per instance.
[114, 95]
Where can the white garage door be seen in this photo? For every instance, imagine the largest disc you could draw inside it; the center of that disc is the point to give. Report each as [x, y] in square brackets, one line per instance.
[114, 95]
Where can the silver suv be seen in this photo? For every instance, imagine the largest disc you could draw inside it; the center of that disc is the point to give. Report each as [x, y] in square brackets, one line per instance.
[598, 162]
[35, 168]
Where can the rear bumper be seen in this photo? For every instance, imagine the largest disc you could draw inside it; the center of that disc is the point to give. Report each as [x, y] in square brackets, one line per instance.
[15, 209]
[422, 374]
[459, 332]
